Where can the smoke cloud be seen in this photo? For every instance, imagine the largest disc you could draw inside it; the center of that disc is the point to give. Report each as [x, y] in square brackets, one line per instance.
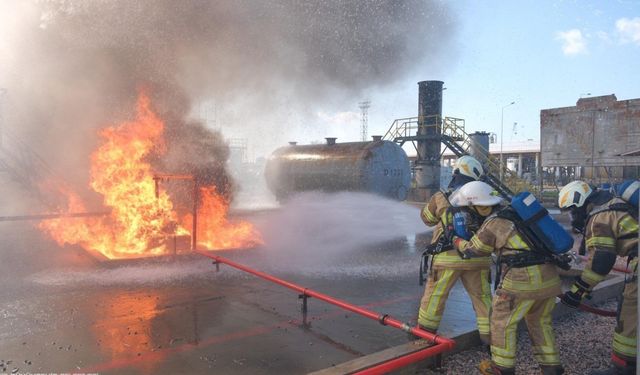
[71, 67]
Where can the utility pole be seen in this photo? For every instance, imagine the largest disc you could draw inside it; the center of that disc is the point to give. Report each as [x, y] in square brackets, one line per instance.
[364, 119]
[502, 137]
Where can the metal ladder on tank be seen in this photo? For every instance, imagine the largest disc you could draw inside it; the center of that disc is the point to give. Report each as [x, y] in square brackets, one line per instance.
[453, 136]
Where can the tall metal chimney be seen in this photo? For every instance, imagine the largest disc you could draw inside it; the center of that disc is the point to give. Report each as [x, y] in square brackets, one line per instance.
[429, 130]
[479, 145]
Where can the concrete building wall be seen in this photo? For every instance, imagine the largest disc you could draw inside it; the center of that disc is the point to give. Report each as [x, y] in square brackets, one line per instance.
[590, 137]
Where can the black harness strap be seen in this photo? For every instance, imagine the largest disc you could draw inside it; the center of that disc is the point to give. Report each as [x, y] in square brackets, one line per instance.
[539, 215]
[538, 254]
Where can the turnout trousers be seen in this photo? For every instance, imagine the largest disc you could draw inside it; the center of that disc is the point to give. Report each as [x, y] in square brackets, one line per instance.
[507, 311]
[624, 336]
[439, 284]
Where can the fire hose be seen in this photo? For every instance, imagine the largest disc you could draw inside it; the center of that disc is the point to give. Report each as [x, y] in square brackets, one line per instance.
[597, 311]
[441, 344]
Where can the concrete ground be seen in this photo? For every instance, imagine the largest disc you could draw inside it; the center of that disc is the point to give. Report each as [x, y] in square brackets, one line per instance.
[62, 312]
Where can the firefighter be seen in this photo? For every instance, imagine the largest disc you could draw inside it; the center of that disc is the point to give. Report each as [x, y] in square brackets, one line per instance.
[526, 288]
[610, 230]
[447, 267]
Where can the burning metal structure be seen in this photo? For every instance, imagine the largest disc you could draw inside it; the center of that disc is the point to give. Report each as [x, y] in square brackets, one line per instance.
[143, 217]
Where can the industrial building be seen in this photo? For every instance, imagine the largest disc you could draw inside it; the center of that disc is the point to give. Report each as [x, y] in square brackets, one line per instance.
[598, 139]
[520, 156]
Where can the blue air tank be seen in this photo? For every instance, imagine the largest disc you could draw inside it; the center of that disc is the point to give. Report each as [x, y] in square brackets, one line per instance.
[379, 167]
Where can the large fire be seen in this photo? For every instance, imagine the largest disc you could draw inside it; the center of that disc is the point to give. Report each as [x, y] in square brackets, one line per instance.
[141, 218]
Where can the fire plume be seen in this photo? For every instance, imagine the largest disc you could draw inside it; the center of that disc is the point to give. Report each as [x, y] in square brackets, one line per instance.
[141, 215]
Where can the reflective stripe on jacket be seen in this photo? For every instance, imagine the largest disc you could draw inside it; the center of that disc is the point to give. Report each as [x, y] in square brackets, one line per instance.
[611, 231]
[500, 236]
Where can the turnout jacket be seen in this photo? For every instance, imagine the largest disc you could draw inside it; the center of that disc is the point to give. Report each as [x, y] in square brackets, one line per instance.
[610, 232]
[500, 236]
[435, 213]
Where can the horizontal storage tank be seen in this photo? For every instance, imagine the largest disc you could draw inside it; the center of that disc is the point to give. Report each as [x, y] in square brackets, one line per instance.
[379, 167]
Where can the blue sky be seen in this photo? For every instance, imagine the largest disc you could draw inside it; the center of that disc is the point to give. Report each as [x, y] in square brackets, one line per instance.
[541, 54]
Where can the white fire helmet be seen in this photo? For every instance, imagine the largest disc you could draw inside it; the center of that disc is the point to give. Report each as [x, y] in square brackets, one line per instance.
[469, 166]
[475, 193]
[574, 193]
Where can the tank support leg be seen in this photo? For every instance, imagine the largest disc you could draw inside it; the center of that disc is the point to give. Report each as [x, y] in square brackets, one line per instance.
[304, 308]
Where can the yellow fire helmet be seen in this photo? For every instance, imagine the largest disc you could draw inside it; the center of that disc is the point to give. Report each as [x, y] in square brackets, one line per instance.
[574, 193]
[469, 166]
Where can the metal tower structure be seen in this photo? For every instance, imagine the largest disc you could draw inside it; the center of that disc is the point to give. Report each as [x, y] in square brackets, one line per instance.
[208, 113]
[429, 130]
[364, 118]
[238, 148]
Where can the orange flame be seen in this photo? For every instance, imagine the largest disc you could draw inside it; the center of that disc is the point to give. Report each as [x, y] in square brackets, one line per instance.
[140, 218]
[214, 230]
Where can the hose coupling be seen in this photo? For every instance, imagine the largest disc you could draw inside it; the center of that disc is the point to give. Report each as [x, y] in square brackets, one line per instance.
[382, 319]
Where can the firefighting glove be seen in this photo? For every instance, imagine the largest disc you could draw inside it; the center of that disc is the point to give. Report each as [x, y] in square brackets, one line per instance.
[573, 297]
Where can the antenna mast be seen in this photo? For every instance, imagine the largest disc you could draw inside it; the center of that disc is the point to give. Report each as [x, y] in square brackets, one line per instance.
[364, 119]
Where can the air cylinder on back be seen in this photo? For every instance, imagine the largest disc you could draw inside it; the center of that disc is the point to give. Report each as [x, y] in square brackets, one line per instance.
[379, 167]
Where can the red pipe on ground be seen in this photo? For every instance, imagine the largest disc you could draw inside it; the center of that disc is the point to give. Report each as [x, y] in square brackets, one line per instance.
[394, 364]
[383, 319]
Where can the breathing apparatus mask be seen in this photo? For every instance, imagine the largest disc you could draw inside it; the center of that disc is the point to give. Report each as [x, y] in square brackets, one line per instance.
[458, 180]
[578, 217]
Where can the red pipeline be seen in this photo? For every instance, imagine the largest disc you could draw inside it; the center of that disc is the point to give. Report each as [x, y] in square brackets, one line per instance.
[442, 343]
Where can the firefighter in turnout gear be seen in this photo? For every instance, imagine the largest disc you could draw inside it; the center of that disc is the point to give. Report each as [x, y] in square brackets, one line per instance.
[610, 230]
[446, 266]
[526, 288]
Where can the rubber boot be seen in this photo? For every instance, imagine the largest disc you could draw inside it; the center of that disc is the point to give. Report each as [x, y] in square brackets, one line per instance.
[552, 370]
[487, 367]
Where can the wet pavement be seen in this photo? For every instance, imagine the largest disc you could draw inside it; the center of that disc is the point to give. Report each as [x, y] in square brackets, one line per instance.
[62, 312]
